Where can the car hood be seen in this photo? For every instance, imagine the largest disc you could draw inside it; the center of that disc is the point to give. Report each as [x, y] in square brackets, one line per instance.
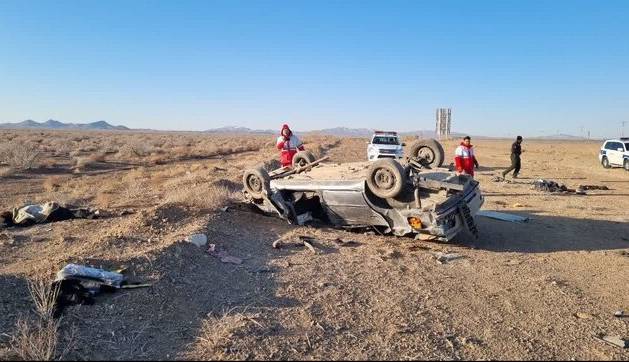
[388, 147]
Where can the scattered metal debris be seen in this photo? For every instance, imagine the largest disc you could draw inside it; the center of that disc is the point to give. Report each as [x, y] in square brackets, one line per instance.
[444, 258]
[592, 187]
[278, 243]
[614, 341]
[51, 211]
[223, 256]
[79, 284]
[502, 216]
[306, 241]
[620, 314]
[342, 242]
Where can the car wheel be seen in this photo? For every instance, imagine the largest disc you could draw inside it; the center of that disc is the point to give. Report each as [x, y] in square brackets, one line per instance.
[429, 151]
[256, 182]
[303, 158]
[605, 162]
[626, 164]
[385, 178]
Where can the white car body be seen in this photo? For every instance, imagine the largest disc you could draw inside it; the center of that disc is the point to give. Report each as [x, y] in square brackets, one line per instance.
[616, 151]
[385, 145]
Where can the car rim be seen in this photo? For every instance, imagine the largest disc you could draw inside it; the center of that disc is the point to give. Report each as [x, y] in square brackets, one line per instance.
[302, 163]
[384, 179]
[426, 154]
[254, 183]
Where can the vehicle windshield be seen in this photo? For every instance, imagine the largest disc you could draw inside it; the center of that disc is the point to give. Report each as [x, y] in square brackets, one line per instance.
[386, 140]
[627, 146]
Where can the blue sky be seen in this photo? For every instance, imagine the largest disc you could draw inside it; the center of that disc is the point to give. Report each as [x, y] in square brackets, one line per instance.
[505, 67]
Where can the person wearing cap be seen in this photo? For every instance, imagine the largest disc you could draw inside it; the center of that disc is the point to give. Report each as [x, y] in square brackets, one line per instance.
[464, 158]
[516, 163]
[289, 145]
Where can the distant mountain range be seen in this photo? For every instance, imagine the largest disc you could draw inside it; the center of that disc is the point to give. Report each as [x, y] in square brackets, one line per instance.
[241, 130]
[337, 131]
[52, 124]
[559, 136]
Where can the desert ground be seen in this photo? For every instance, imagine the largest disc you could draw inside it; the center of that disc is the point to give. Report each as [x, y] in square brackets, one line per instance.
[538, 290]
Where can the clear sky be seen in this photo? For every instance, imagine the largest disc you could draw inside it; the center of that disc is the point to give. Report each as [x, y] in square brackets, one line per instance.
[505, 67]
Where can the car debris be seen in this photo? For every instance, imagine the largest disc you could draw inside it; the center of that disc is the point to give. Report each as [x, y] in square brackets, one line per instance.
[592, 187]
[614, 340]
[385, 195]
[342, 242]
[620, 314]
[550, 186]
[79, 284]
[307, 244]
[51, 211]
[444, 258]
[223, 256]
[278, 243]
[502, 216]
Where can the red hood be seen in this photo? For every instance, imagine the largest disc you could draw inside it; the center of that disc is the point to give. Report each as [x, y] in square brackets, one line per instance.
[285, 126]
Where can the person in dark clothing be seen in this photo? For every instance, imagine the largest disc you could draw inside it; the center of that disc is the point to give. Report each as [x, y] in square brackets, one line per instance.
[516, 163]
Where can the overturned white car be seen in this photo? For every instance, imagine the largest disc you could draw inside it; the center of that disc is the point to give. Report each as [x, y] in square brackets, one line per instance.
[418, 197]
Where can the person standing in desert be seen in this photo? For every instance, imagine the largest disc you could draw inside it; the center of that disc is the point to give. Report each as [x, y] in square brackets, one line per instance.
[465, 159]
[516, 162]
[289, 145]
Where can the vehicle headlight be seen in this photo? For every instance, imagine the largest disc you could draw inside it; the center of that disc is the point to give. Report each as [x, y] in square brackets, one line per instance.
[415, 222]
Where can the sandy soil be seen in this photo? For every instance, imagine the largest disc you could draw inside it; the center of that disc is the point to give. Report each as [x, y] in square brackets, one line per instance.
[515, 294]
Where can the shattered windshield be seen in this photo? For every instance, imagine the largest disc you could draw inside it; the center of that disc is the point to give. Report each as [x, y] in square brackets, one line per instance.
[386, 140]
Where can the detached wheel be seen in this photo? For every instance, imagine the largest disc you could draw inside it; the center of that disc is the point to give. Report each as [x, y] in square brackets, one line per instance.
[605, 162]
[385, 178]
[256, 181]
[626, 164]
[303, 158]
[429, 151]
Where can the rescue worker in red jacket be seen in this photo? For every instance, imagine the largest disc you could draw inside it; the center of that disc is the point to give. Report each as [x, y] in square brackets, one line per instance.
[464, 158]
[289, 145]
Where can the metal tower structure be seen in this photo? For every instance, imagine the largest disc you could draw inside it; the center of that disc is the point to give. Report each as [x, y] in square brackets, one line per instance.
[444, 121]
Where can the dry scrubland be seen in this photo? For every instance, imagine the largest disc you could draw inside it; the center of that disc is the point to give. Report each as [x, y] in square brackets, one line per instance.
[539, 290]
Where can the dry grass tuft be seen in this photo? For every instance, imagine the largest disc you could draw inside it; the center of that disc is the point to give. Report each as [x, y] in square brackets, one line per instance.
[37, 340]
[207, 197]
[219, 334]
[44, 295]
[54, 183]
[19, 155]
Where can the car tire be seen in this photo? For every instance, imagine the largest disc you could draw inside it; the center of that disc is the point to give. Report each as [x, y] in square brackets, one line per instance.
[626, 164]
[605, 162]
[430, 151]
[303, 158]
[257, 182]
[385, 178]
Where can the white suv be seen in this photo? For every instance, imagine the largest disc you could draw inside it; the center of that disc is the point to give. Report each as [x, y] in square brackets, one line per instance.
[615, 153]
[385, 145]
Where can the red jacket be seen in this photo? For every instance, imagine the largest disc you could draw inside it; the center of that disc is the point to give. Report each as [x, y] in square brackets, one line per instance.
[465, 159]
[289, 146]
